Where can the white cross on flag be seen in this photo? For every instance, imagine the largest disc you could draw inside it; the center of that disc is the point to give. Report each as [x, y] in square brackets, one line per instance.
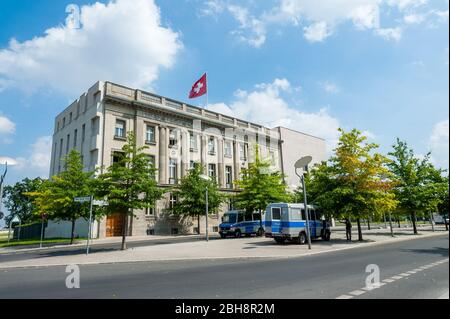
[199, 88]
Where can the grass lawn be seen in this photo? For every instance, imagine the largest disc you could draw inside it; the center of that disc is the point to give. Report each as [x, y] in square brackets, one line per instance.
[30, 242]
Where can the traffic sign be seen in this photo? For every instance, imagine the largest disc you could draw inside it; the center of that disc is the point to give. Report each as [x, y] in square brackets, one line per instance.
[82, 199]
[99, 203]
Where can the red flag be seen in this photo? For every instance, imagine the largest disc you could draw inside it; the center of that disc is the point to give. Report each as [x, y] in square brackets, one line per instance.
[199, 88]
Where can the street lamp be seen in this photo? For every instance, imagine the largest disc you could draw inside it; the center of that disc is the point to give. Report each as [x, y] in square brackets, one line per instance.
[206, 178]
[303, 164]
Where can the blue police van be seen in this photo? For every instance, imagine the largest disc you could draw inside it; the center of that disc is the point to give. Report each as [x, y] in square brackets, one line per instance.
[238, 223]
[287, 222]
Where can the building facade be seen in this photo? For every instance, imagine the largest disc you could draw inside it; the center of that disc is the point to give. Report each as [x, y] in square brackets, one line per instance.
[177, 137]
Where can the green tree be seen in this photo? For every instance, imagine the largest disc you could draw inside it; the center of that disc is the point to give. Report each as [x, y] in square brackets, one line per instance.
[259, 186]
[55, 198]
[191, 196]
[419, 184]
[18, 203]
[354, 183]
[129, 183]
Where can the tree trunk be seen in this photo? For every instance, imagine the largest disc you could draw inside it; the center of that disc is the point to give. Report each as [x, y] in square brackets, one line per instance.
[445, 222]
[72, 234]
[198, 224]
[398, 221]
[124, 231]
[413, 220]
[360, 236]
[368, 224]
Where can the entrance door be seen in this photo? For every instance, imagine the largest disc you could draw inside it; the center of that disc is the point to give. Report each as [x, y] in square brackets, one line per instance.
[114, 225]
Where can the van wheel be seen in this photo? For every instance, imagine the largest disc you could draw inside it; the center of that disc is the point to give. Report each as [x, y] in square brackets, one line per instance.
[238, 234]
[260, 232]
[302, 239]
[280, 240]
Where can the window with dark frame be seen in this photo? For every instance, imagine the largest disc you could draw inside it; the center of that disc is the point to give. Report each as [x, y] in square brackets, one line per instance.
[229, 176]
[119, 131]
[150, 135]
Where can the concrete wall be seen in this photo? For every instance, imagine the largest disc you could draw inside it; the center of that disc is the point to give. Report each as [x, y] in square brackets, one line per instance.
[295, 146]
[62, 229]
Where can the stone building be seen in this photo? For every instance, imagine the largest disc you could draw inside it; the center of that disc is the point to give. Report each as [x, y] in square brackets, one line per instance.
[177, 135]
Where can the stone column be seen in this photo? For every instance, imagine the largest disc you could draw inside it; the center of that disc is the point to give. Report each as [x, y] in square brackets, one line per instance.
[221, 164]
[163, 155]
[203, 154]
[185, 152]
[236, 159]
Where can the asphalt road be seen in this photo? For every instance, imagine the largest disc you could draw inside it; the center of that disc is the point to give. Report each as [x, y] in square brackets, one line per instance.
[79, 250]
[329, 275]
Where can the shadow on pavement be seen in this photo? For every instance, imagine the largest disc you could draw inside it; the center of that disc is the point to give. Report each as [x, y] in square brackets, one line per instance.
[431, 251]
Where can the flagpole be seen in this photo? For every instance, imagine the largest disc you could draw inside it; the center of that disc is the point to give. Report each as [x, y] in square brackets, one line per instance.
[207, 89]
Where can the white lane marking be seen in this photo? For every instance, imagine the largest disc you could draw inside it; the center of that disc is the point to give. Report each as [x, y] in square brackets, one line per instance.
[362, 291]
[357, 292]
[345, 297]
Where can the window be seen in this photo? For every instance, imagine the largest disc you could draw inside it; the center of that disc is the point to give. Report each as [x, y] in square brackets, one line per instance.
[303, 214]
[231, 204]
[193, 143]
[272, 158]
[120, 129]
[312, 214]
[70, 118]
[172, 201]
[215, 229]
[228, 149]
[240, 217]
[212, 171]
[229, 176]
[117, 157]
[83, 133]
[61, 148]
[211, 146]
[150, 136]
[68, 144]
[296, 214]
[64, 122]
[151, 165]
[95, 126]
[276, 213]
[57, 126]
[150, 232]
[173, 138]
[75, 138]
[242, 152]
[192, 165]
[173, 171]
[150, 211]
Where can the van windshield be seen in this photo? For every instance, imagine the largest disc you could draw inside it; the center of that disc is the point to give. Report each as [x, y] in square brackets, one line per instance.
[229, 218]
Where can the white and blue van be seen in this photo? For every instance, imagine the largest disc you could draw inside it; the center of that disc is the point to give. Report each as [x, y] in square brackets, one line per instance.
[238, 223]
[287, 222]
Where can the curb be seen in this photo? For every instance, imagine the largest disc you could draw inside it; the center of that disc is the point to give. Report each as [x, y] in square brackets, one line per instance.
[360, 245]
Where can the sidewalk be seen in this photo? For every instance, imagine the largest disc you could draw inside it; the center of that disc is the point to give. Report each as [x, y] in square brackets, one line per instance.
[224, 249]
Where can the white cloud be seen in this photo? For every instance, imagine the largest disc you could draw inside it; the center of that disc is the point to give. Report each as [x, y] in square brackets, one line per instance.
[439, 144]
[6, 126]
[248, 24]
[392, 34]
[37, 162]
[414, 18]
[403, 4]
[121, 41]
[265, 105]
[317, 32]
[330, 87]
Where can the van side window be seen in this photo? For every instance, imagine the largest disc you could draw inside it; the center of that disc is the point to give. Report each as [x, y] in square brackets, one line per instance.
[312, 213]
[276, 213]
[303, 214]
[240, 217]
[296, 214]
[248, 216]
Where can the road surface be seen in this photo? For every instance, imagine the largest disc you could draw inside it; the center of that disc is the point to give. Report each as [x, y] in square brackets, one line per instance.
[420, 266]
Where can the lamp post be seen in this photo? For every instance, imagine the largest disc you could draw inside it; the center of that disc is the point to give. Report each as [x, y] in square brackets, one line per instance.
[207, 179]
[303, 164]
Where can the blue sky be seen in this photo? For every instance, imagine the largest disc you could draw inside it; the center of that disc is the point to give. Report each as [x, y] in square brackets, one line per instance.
[378, 65]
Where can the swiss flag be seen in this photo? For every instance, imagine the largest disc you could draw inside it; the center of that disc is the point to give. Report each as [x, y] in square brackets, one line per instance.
[199, 88]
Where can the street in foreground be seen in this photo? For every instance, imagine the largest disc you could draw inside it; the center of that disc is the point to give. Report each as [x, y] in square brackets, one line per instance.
[408, 269]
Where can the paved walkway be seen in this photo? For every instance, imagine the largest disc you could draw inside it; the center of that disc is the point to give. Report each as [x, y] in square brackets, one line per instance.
[224, 249]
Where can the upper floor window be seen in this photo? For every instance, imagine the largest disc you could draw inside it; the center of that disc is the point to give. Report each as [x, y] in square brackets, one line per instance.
[193, 142]
[229, 176]
[64, 122]
[152, 165]
[83, 132]
[75, 138]
[70, 117]
[173, 171]
[172, 201]
[150, 135]
[228, 149]
[173, 138]
[243, 152]
[211, 146]
[119, 129]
